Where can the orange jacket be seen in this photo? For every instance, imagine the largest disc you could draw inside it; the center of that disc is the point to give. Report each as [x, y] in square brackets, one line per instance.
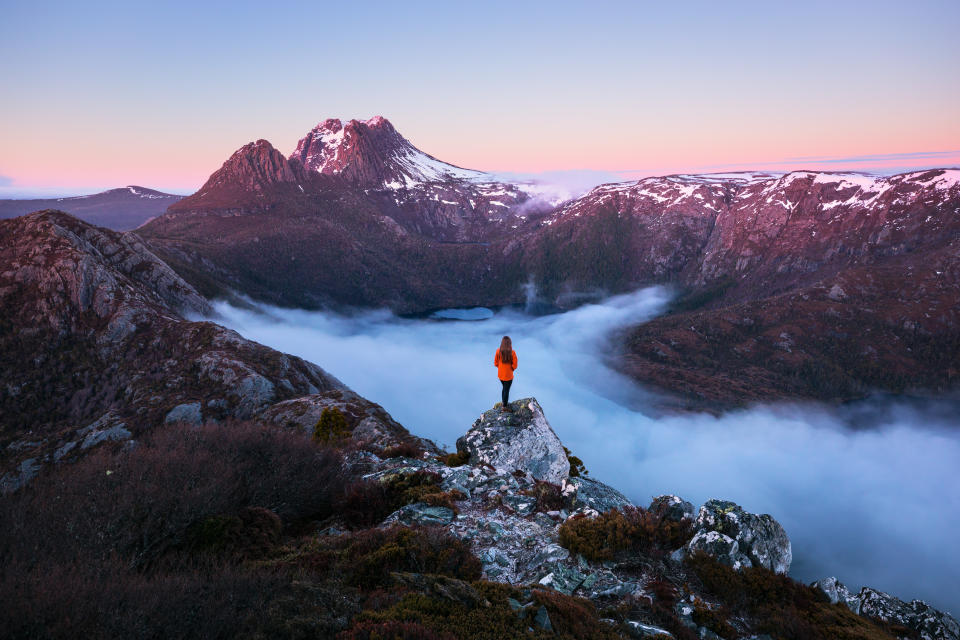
[505, 369]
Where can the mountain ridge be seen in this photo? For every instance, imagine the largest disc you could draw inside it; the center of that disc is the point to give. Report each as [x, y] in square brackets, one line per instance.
[120, 209]
[742, 238]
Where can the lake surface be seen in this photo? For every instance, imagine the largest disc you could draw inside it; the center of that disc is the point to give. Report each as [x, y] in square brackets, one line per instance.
[869, 493]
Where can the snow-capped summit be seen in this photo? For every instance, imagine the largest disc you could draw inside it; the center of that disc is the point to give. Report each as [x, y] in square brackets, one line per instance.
[372, 154]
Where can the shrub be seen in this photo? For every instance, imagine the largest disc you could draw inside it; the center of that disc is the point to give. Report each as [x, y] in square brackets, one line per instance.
[713, 619]
[251, 534]
[331, 428]
[392, 630]
[571, 617]
[105, 599]
[549, 496]
[403, 450]
[174, 479]
[368, 502]
[628, 529]
[366, 558]
[456, 459]
[577, 467]
[659, 613]
[663, 590]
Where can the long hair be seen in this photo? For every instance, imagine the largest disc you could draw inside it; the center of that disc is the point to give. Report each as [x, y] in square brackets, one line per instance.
[506, 350]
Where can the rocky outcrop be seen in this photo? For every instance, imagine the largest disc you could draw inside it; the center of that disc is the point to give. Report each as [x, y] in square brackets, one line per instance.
[741, 539]
[497, 509]
[371, 427]
[917, 615]
[518, 440]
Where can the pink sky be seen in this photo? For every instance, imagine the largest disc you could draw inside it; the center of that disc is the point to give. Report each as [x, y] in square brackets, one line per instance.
[160, 96]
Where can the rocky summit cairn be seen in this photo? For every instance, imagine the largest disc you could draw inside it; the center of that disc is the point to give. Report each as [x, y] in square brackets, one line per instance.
[741, 539]
[519, 440]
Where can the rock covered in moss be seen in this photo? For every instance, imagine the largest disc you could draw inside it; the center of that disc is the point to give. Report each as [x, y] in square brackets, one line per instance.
[741, 539]
[371, 427]
[520, 440]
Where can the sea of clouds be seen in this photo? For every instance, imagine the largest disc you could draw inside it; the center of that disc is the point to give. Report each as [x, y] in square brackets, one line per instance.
[869, 493]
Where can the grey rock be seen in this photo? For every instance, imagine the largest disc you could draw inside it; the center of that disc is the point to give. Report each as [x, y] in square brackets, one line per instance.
[63, 450]
[542, 619]
[642, 630]
[117, 433]
[837, 592]
[673, 507]
[189, 413]
[522, 505]
[424, 514]
[561, 577]
[544, 521]
[25, 472]
[522, 440]
[721, 546]
[917, 615]
[761, 541]
[550, 553]
[596, 495]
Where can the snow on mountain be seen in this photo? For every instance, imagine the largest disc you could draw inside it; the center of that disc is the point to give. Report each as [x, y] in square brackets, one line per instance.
[373, 154]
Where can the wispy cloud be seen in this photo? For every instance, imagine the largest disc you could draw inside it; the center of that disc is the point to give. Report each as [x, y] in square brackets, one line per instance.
[882, 163]
[881, 157]
[5, 181]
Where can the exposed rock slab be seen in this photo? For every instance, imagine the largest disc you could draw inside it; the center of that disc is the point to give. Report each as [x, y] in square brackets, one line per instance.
[520, 440]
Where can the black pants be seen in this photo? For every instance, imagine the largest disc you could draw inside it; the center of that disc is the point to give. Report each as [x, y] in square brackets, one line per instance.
[506, 391]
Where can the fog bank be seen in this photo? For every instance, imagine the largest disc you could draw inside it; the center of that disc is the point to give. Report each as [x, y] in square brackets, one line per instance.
[869, 493]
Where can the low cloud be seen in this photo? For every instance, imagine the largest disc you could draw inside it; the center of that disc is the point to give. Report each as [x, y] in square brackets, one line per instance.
[869, 493]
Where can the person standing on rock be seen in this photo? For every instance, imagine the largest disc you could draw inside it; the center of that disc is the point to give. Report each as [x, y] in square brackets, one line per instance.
[505, 360]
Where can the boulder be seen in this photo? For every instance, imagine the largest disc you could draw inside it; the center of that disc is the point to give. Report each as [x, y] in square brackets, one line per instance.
[424, 514]
[672, 507]
[188, 413]
[521, 440]
[837, 592]
[588, 492]
[743, 539]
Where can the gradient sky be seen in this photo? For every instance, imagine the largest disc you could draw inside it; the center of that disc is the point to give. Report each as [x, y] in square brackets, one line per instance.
[100, 95]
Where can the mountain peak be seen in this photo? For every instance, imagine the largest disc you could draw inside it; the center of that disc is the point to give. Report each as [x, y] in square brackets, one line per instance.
[253, 166]
[372, 153]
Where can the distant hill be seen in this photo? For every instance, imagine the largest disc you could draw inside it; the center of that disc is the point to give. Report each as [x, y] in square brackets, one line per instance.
[118, 209]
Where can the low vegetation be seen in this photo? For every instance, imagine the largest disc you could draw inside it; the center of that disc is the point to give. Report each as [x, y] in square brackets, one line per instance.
[776, 605]
[331, 428]
[630, 529]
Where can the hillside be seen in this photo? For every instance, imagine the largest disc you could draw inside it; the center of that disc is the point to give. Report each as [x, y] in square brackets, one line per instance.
[94, 346]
